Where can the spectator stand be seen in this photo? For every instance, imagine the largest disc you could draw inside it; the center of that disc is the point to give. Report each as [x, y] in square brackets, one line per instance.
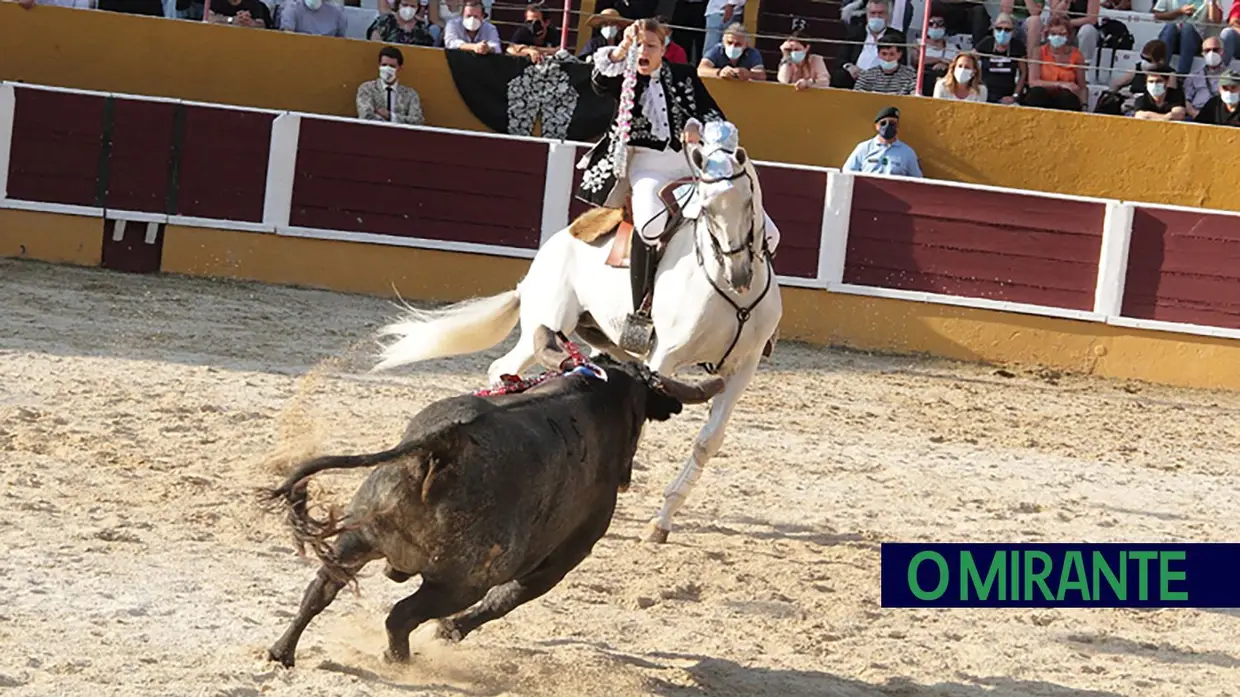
[776, 19]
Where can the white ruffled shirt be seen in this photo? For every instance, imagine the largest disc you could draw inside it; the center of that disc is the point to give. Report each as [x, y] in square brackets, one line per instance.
[653, 101]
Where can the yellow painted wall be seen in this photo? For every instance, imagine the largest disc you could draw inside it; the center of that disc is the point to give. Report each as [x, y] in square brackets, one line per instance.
[1035, 149]
[62, 239]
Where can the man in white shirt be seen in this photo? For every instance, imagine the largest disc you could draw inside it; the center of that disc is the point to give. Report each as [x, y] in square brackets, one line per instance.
[719, 14]
[471, 31]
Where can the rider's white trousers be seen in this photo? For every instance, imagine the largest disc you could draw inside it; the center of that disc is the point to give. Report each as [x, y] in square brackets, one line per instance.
[649, 171]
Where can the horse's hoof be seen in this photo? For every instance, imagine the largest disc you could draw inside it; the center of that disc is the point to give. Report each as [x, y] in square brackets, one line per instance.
[655, 534]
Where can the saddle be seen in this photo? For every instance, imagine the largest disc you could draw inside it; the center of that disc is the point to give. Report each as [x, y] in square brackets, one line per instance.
[599, 223]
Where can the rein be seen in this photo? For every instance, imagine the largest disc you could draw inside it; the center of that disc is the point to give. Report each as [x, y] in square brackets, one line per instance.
[512, 384]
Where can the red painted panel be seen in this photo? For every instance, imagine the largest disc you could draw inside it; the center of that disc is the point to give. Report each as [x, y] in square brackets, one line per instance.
[411, 183]
[1184, 267]
[223, 171]
[974, 243]
[794, 198]
[132, 253]
[55, 151]
[576, 206]
[141, 156]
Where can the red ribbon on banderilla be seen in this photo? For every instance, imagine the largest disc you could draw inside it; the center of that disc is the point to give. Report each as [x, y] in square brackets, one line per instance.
[575, 364]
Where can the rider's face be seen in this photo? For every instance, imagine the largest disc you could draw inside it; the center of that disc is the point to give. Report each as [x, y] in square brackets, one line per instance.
[651, 52]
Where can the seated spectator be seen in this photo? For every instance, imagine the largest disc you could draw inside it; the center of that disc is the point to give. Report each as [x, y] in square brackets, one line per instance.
[1029, 18]
[962, 82]
[899, 14]
[1057, 77]
[938, 54]
[313, 17]
[532, 39]
[860, 51]
[1003, 67]
[799, 67]
[1082, 18]
[385, 99]
[1202, 85]
[672, 51]
[1118, 98]
[733, 59]
[470, 32]
[890, 76]
[409, 25]
[608, 23]
[1160, 102]
[1185, 22]
[962, 17]
[1231, 33]
[242, 13]
[884, 153]
[1223, 109]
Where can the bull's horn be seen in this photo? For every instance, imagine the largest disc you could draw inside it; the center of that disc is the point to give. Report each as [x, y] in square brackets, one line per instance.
[689, 393]
[547, 350]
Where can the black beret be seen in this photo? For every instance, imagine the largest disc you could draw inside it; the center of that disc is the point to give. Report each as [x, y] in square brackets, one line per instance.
[887, 112]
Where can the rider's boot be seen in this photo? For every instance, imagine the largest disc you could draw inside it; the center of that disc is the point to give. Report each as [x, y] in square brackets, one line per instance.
[638, 328]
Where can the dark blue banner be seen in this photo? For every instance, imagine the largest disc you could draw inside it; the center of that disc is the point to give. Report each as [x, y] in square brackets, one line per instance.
[1196, 575]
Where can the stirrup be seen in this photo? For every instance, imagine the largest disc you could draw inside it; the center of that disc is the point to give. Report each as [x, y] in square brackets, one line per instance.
[637, 334]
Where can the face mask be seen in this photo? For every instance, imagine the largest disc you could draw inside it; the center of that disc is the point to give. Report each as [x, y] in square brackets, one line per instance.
[1146, 64]
[875, 24]
[796, 56]
[1156, 89]
[313, 5]
[536, 26]
[937, 33]
[1002, 36]
[733, 52]
[667, 41]
[887, 131]
[1214, 59]
[406, 12]
[963, 75]
[471, 23]
[888, 65]
[387, 73]
[609, 33]
[1057, 40]
[1229, 98]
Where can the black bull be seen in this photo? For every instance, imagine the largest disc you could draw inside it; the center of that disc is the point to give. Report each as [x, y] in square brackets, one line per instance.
[489, 499]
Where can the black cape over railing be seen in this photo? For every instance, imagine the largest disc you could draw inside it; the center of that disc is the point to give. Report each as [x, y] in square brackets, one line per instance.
[510, 94]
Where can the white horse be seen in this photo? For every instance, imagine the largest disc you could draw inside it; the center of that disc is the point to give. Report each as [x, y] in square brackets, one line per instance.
[716, 303]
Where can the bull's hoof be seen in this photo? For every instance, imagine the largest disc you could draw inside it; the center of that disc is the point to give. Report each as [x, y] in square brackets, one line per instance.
[390, 656]
[447, 632]
[655, 534]
[394, 574]
[283, 658]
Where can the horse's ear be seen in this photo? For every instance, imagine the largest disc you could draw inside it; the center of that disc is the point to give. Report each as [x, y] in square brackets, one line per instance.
[741, 156]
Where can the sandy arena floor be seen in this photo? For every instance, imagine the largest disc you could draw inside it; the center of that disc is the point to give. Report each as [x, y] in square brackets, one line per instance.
[137, 414]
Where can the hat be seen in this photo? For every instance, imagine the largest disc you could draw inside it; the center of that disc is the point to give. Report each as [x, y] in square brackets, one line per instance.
[1229, 78]
[889, 112]
[607, 16]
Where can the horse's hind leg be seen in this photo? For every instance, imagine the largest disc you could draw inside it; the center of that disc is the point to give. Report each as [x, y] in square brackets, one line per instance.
[560, 317]
[707, 443]
[353, 552]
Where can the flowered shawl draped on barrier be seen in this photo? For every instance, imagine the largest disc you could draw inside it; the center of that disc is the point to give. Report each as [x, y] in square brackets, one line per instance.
[509, 94]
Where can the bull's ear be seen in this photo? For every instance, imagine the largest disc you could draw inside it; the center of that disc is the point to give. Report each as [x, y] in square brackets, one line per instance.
[660, 407]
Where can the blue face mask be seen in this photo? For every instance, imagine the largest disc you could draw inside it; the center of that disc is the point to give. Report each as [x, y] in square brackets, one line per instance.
[733, 52]
[1057, 40]
[1003, 36]
[1156, 89]
[876, 24]
[887, 65]
[796, 56]
[937, 33]
[1230, 98]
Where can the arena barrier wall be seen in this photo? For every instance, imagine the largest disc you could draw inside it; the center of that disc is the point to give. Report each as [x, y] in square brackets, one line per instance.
[894, 264]
[1033, 149]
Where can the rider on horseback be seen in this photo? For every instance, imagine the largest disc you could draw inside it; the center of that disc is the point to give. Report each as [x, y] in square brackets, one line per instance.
[666, 111]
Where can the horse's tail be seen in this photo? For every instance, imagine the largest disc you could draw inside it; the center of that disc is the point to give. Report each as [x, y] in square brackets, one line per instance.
[468, 326]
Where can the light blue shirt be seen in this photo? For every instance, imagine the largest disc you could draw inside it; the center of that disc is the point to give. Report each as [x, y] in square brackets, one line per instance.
[875, 157]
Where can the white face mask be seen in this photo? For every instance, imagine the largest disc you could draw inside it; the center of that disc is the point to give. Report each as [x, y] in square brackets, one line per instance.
[313, 4]
[407, 13]
[733, 52]
[963, 75]
[1214, 59]
[609, 32]
[471, 23]
[387, 73]
[1229, 98]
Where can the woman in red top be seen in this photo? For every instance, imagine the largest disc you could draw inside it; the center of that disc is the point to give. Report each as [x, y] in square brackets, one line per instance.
[1231, 35]
[1057, 77]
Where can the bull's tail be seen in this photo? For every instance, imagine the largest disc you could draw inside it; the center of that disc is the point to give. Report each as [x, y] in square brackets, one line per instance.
[468, 326]
[308, 530]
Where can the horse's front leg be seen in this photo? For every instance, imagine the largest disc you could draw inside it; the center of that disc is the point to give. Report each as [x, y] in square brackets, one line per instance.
[707, 443]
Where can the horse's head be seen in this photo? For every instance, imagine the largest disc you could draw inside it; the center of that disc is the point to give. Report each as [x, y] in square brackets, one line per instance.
[727, 193]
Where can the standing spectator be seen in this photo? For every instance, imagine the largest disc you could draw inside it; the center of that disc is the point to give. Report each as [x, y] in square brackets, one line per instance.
[799, 67]
[1202, 85]
[1003, 67]
[385, 99]
[1223, 109]
[242, 13]
[1083, 21]
[1029, 18]
[890, 76]
[607, 24]
[860, 52]
[962, 17]
[1160, 102]
[531, 39]
[939, 54]
[963, 81]
[719, 14]
[884, 153]
[313, 17]
[630, 9]
[1182, 31]
[409, 25]
[689, 18]
[672, 51]
[470, 32]
[1057, 77]
[733, 59]
[1231, 34]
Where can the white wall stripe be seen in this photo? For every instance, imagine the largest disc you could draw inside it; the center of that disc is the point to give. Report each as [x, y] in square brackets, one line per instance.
[558, 189]
[1113, 259]
[833, 244]
[152, 232]
[8, 109]
[135, 216]
[960, 301]
[371, 238]
[1174, 327]
[281, 168]
[41, 207]
[118, 230]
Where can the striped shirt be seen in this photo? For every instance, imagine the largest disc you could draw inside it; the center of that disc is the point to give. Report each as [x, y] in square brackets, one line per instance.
[902, 81]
